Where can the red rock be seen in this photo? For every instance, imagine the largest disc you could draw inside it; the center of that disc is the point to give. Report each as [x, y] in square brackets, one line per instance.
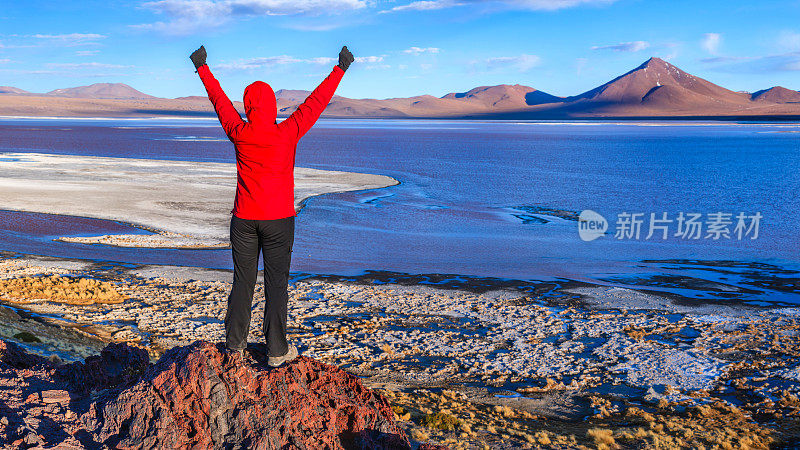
[117, 364]
[55, 396]
[198, 396]
[14, 356]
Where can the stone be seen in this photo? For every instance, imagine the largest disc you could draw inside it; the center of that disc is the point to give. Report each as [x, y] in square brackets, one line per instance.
[14, 356]
[55, 396]
[195, 396]
[117, 364]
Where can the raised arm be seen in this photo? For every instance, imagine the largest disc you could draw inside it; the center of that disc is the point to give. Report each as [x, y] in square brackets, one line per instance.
[304, 117]
[228, 116]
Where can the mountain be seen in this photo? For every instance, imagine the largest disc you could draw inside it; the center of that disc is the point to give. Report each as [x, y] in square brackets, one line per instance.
[505, 96]
[101, 90]
[658, 84]
[288, 99]
[291, 94]
[12, 90]
[777, 94]
[193, 98]
[655, 88]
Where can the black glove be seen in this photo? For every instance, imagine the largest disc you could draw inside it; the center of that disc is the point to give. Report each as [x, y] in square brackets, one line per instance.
[199, 57]
[345, 58]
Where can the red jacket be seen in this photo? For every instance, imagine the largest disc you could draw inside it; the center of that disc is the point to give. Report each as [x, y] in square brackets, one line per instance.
[265, 149]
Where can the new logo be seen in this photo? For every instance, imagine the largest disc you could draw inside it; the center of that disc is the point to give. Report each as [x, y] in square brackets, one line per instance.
[591, 225]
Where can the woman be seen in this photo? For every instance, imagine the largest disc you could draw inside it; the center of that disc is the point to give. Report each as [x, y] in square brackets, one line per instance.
[263, 210]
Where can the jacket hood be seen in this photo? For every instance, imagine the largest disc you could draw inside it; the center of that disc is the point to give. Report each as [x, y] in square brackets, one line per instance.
[259, 103]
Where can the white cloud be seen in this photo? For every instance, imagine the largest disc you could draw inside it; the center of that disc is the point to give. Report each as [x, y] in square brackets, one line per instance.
[669, 51]
[30, 72]
[779, 63]
[206, 8]
[260, 63]
[87, 52]
[552, 5]
[315, 27]
[522, 63]
[323, 60]
[72, 39]
[789, 40]
[369, 59]
[793, 66]
[420, 50]
[16, 45]
[188, 16]
[71, 36]
[531, 5]
[724, 59]
[89, 65]
[5, 61]
[711, 42]
[782, 62]
[580, 63]
[285, 60]
[53, 40]
[424, 5]
[66, 72]
[634, 46]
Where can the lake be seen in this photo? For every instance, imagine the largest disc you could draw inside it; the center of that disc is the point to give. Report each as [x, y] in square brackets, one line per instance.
[497, 199]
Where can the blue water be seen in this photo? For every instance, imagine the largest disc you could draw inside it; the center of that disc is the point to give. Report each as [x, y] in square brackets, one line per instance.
[471, 195]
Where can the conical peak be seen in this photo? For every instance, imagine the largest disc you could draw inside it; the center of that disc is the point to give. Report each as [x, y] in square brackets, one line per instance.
[654, 63]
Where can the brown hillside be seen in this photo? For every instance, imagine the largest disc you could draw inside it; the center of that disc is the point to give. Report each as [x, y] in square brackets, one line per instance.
[12, 90]
[632, 87]
[777, 94]
[101, 90]
[656, 88]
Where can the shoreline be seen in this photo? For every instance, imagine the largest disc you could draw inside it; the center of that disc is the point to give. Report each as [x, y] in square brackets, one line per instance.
[609, 120]
[185, 204]
[574, 357]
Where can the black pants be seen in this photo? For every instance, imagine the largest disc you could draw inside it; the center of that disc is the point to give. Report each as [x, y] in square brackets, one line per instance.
[274, 239]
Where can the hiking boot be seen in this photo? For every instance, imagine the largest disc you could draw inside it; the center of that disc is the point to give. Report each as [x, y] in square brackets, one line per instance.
[235, 351]
[277, 361]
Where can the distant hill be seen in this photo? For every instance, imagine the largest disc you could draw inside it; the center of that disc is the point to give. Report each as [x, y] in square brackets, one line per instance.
[291, 94]
[101, 90]
[655, 88]
[504, 96]
[193, 98]
[12, 90]
[777, 94]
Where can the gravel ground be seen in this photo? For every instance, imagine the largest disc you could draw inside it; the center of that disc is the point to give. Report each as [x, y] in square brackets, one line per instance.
[577, 366]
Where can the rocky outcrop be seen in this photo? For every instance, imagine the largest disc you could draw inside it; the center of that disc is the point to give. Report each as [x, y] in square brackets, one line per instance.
[13, 357]
[198, 396]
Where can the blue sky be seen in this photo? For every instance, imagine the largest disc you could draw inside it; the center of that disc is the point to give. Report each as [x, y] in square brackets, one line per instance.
[404, 47]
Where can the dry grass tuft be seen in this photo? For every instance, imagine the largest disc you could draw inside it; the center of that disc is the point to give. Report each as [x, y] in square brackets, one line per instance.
[73, 291]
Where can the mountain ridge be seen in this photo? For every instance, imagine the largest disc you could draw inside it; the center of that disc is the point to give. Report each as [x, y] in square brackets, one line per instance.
[655, 88]
[101, 91]
[12, 90]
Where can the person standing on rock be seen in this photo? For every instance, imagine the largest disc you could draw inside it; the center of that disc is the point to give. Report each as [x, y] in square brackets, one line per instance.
[263, 211]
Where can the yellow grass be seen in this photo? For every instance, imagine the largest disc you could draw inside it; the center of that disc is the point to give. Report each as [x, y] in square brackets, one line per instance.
[74, 291]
